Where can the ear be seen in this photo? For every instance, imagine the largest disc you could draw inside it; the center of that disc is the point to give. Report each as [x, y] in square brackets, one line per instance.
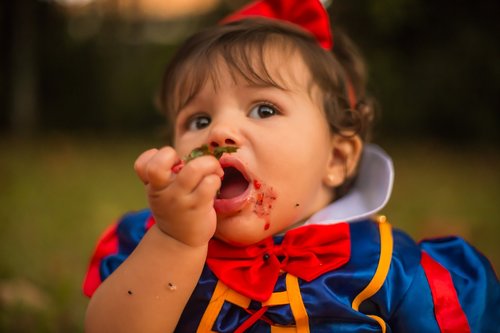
[345, 152]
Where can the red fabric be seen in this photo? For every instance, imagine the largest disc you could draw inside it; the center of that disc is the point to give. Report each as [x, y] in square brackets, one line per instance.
[447, 309]
[251, 320]
[306, 252]
[150, 222]
[310, 15]
[106, 245]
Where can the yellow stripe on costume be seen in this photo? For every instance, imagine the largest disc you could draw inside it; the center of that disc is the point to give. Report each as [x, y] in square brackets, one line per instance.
[221, 294]
[213, 308]
[278, 298]
[384, 262]
[291, 296]
[380, 321]
[297, 304]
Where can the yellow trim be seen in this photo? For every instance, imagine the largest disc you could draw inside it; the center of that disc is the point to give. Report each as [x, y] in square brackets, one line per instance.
[277, 298]
[213, 308]
[223, 293]
[283, 329]
[380, 321]
[383, 265]
[384, 262]
[238, 299]
[297, 304]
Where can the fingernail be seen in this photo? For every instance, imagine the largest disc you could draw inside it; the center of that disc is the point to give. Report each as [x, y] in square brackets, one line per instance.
[177, 166]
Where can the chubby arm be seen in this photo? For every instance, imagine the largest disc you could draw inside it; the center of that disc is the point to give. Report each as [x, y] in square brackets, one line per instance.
[149, 290]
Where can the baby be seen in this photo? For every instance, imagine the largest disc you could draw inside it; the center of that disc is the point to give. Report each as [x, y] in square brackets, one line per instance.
[280, 234]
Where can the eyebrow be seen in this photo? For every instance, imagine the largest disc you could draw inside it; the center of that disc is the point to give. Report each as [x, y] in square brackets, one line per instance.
[183, 105]
[265, 84]
[249, 84]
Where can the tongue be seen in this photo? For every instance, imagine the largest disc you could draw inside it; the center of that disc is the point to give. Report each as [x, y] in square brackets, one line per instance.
[233, 184]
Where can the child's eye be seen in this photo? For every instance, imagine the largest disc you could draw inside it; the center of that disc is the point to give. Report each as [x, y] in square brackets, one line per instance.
[263, 111]
[198, 122]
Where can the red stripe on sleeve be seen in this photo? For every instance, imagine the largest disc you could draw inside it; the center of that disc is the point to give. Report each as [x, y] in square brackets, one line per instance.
[106, 245]
[150, 222]
[449, 314]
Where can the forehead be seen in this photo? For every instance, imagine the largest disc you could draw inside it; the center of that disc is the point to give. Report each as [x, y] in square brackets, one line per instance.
[267, 68]
[274, 63]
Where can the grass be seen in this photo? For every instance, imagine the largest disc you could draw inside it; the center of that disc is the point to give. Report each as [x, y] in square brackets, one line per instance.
[58, 193]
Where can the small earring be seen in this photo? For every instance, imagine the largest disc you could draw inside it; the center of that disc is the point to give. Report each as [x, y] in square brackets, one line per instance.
[331, 178]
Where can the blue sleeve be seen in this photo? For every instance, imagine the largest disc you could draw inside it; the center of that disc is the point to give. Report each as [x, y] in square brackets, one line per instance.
[114, 246]
[454, 289]
[474, 280]
[129, 232]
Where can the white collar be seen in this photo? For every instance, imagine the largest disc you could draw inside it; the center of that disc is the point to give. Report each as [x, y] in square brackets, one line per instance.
[369, 193]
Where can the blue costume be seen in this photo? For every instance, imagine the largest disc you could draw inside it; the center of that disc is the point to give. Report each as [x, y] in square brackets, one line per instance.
[384, 281]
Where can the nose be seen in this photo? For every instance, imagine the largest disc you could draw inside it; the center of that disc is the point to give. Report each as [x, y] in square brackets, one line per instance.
[224, 134]
[227, 142]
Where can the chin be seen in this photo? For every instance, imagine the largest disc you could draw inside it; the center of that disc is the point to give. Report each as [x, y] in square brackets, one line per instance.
[240, 230]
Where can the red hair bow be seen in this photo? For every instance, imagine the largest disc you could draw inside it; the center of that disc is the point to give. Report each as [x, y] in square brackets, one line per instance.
[308, 14]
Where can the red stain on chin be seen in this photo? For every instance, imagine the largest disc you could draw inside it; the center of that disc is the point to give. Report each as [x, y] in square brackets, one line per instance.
[263, 202]
[260, 199]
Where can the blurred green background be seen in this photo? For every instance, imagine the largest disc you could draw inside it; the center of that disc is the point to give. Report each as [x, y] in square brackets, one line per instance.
[77, 86]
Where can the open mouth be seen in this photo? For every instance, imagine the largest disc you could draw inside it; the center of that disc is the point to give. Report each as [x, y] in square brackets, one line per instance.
[233, 185]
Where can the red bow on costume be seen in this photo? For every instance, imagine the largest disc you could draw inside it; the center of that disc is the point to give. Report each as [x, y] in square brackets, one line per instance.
[305, 252]
[310, 15]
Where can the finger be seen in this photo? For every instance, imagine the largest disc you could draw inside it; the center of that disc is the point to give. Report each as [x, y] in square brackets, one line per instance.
[158, 168]
[194, 172]
[206, 189]
[140, 164]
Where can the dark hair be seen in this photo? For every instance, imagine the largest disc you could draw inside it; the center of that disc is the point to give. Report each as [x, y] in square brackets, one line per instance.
[238, 43]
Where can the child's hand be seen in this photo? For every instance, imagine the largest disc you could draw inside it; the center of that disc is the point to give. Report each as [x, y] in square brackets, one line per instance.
[181, 202]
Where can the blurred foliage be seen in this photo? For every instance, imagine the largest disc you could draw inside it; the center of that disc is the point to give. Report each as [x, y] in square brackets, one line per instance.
[434, 66]
[57, 196]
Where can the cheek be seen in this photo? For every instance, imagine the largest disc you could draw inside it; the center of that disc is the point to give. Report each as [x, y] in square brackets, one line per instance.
[184, 144]
[277, 207]
[263, 202]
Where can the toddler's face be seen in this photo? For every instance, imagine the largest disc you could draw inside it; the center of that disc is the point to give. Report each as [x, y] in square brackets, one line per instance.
[277, 176]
